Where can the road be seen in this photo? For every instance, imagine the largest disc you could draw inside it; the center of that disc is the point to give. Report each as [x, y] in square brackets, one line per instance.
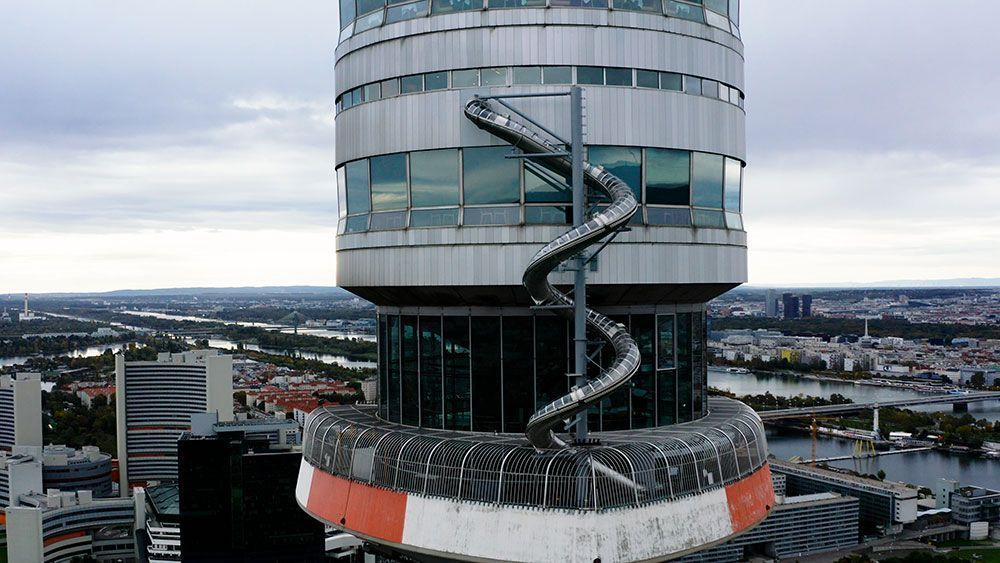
[805, 412]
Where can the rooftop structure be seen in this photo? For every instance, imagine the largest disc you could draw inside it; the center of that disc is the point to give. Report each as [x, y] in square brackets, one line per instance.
[58, 467]
[155, 401]
[489, 158]
[158, 517]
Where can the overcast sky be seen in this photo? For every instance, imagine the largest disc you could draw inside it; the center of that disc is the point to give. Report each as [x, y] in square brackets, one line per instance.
[164, 144]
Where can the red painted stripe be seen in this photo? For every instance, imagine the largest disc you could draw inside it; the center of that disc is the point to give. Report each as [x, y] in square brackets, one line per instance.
[370, 511]
[750, 499]
[63, 537]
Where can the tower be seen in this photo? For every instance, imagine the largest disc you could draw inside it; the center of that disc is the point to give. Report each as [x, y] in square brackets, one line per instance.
[469, 203]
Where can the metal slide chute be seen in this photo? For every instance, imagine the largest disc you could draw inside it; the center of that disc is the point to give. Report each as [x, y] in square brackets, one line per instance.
[542, 425]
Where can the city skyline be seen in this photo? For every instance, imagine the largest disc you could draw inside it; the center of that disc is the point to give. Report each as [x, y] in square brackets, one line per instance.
[121, 164]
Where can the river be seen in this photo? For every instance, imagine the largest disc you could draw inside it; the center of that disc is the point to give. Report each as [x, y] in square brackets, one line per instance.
[920, 468]
[226, 344]
[313, 331]
[87, 352]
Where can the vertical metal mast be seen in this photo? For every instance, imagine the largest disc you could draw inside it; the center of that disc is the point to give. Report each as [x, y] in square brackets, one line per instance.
[580, 280]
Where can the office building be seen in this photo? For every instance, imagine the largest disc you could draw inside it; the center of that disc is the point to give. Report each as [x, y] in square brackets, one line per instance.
[790, 306]
[59, 525]
[237, 499]
[155, 401]
[158, 537]
[20, 410]
[884, 506]
[971, 504]
[58, 467]
[771, 303]
[798, 527]
[468, 255]
[807, 305]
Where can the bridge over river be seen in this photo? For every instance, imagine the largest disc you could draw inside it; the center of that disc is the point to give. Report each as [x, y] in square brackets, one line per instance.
[953, 399]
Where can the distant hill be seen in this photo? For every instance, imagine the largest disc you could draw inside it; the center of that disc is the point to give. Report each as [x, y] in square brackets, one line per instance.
[196, 291]
[895, 284]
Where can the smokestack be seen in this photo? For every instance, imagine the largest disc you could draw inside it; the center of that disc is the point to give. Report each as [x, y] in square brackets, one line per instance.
[26, 304]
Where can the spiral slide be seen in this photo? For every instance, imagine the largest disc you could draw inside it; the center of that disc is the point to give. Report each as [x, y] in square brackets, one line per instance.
[541, 427]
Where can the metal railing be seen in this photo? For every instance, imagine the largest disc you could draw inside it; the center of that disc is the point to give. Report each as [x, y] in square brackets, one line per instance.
[630, 468]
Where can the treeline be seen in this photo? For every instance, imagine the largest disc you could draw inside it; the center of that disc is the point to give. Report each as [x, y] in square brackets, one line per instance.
[758, 364]
[767, 401]
[56, 345]
[828, 327]
[274, 314]
[353, 349]
[47, 324]
[963, 430]
[65, 420]
[303, 364]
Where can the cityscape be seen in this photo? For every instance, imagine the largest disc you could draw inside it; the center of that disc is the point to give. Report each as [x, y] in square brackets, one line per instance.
[421, 281]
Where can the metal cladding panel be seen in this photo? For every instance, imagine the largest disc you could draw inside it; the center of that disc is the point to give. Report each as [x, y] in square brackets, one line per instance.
[539, 45]
[615, 116]
[539, 17]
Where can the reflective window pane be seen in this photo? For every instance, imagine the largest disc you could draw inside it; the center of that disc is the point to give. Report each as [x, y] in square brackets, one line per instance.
[434, 178]
[671, 81]
[647, 79]
[449, 6]
[734, 11]
[734, 172]
[720, 6]
[551, 358]
[590, 75]
[465, 78]
[623, 162]
[388, 175]
[618, 76]
[409, 400]
[486, 378]
[686, 11]
[668, 177]
[664, 341]
[436, 80]
[516, 3]
[342, 192]
[734, 221]
[557, 75]
[410, 84]
[347, 13]
[370, 21]
[476, 216]
[710, 88]
[668, 216]
[406, 11]
[392, 368]
[548, 215]
[643, 330]
[494, 76]
[388, 221]
[357, 187]
[434, 217]
[456, 373]
[692, 85]
[540, 187]
[371, 92]
[356, 224]
[431, 372]
[734, 96]
[710, 219]
[706, 181]
[638, 5]
[580, 3]
[390, 87]
[518, 372]
[489, 177]
[527, 75]
[365, 6]
[716, 20]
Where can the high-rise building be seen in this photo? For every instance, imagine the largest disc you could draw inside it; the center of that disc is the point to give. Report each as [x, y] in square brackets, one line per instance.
[155, 402]
[807, 305]
[237, 501]
[790, 306]
[20, 410]
[771, 303]
[467, 246]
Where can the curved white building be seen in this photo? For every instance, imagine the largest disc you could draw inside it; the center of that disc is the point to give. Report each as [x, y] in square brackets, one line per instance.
[450, 231]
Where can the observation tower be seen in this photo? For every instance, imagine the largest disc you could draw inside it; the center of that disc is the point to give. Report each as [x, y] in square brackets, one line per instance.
[539, 196]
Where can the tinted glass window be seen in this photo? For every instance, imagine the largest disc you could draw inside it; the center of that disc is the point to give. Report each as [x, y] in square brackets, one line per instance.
[392, 368]
[434, 217]
[431, 372]
[527, 75]
[456, 373]
[590, 75]
[734, 221]
[518, 372]
[357, 187]
[406, 12]
[390, 87]
[489, 177]
[647, 79]
[365, 6]
[710, 88]
[618, 76]
[644, 383]
[623, 162]
[465, 78]
[706, 181]
[580, 3]
[486, 382]
[410, 84]
[668, 216]
[434, 178]
[410, 400]
[389, 221]
[686, 11]
[671, 81]
[494, 76]
[668, 177]
[516, 3]
[551, 357]
[710, 219]
[370, 21]
[371, 92]
[664, 341]
[491, 216]
[435, 81]
[356, 224]
[448, 6]
[548, 215]
[720, 6]
[538, 190]
[692, 85]
[638, 5]
[347, 13]
[557, 75]
[388, 175]
[733, 173]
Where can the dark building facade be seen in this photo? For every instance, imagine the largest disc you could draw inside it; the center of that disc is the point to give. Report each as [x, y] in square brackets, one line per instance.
[790, 306]
[807, 305]
[237, 502]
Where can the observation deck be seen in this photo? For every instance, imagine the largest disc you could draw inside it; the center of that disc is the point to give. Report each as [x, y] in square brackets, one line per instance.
[636, 495]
